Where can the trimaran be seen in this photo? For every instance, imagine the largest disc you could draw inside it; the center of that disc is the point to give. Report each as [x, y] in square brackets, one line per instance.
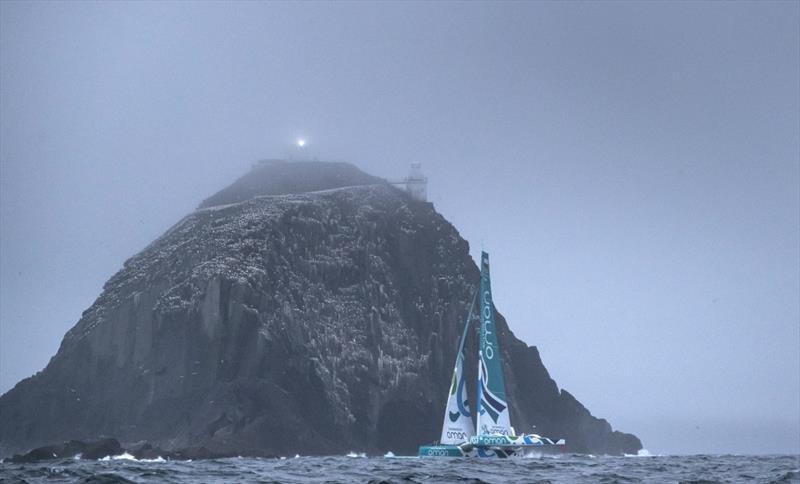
[496, 436]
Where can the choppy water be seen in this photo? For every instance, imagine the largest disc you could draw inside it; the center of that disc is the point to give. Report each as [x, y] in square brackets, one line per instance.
[564, 468]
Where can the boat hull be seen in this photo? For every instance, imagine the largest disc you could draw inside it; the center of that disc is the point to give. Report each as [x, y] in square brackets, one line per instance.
[489, 451]
[527, 440]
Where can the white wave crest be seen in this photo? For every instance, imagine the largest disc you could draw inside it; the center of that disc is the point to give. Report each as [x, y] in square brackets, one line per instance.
[644, 453]
[157, 459]
[540, 455]
[353, 454]
[123, 456]
[640, 453]
[127, 456]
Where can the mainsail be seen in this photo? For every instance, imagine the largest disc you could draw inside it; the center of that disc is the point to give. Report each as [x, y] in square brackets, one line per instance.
[491, 404]
[457, 427]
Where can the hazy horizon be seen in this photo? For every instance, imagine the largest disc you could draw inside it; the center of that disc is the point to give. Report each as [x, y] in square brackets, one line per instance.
[633, 169]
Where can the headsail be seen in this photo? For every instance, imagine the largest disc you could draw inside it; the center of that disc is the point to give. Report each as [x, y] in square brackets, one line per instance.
[457, 427]
[491, 404]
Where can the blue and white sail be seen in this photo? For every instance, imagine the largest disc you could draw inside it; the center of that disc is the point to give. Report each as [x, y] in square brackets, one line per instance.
[492, 406]
[495, 435]
[457, 427]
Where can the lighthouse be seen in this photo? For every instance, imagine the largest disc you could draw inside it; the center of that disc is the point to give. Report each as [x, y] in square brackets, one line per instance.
[416, 183]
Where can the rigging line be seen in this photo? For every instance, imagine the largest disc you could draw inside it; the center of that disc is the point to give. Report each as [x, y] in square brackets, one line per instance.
[469, 319]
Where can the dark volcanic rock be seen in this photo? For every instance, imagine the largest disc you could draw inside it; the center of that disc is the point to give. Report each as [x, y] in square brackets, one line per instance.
[307, 323]
[95, 449]
[279, 177]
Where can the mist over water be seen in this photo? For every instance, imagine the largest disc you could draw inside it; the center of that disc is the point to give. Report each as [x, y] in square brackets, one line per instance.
[632, 169]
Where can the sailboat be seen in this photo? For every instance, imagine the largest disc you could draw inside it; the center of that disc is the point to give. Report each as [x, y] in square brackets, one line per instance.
[495, 436]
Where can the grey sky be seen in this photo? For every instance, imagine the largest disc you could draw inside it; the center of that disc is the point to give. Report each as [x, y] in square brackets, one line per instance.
[633, 169]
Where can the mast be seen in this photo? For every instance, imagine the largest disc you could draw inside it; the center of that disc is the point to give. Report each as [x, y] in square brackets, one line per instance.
[492, 406]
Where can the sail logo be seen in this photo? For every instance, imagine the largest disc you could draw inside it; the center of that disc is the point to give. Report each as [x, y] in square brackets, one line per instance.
[488, 347]
[488, 439]
[438, 452]
[463, 405]
[457, 435]
[490, 403]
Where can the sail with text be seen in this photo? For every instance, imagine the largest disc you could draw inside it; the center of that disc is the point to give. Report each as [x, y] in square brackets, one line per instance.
[491, 404]
[457, 427]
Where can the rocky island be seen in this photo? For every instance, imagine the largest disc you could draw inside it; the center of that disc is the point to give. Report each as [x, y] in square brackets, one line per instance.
[309, 308]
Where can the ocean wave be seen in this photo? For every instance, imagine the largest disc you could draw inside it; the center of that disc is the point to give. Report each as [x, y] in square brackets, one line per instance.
[127, 456]
[641, 453]
[791, 476]
[359, 469]
[105, 478]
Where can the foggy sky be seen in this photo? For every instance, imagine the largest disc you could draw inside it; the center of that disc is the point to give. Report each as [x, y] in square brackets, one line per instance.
[632, 168]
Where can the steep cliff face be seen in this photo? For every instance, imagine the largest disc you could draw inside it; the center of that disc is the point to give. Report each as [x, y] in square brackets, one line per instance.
[317, 322]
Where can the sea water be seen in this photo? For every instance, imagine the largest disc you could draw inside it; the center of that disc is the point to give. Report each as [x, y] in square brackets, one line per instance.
[357, 468]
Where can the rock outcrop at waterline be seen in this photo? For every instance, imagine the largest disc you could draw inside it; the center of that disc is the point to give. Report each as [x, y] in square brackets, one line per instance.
[277, 323]
[74, 449]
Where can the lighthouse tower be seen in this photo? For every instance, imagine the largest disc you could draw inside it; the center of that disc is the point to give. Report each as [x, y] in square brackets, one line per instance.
[417, 183]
